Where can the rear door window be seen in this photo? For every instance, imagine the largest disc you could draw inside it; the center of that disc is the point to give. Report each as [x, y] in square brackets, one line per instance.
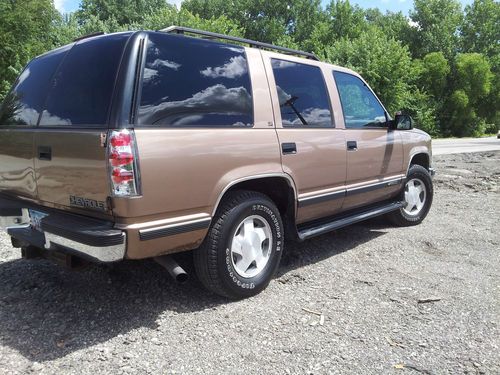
[361, 108]
[189, 82]
[23, 104]
[302, 95]
[83, 86]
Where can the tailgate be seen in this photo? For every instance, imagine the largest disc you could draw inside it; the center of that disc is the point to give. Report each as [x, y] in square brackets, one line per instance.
[70, 153]
[71, 169]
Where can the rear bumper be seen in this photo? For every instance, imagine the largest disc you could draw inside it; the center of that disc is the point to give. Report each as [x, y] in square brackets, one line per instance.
[432, 171]
[89, 238]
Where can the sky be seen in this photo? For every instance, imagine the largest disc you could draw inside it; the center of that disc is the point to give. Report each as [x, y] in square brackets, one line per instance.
[65, 6]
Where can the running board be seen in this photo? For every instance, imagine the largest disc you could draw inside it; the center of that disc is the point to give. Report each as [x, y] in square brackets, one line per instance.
[324, 227]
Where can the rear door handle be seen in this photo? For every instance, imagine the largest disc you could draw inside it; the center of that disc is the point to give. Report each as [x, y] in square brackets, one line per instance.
[289, 148]
[352, 145]
[44, 152]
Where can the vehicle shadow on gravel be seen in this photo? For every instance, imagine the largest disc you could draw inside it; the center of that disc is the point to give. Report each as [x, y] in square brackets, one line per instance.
[300, 254]
[47, 312]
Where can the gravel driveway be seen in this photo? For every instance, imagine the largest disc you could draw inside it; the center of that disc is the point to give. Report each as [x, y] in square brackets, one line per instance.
[366, 299]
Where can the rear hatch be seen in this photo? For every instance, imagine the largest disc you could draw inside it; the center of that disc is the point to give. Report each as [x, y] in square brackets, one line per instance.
[67, 166]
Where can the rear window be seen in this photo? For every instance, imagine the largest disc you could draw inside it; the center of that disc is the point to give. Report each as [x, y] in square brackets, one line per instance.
[189, 82]
[83, 86]
[302, 95]
[23, 104]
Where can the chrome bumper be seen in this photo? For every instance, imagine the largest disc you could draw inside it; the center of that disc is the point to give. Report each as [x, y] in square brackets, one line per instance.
[106, 254]
[19, 227]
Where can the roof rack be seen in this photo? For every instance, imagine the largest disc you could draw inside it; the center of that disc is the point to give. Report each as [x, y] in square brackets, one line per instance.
[251, 43]
[89, 36]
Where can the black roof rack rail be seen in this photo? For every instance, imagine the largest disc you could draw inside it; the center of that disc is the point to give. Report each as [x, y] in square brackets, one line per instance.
[89, 36]
[251, 43]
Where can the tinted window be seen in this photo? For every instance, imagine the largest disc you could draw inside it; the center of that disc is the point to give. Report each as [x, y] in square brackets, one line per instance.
[361, 108]
[83, 85]
[302, 95]
[23, 104]
[192, 82]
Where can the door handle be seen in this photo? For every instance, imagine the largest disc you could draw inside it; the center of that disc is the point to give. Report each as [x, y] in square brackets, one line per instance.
[289, 148]
[44, 152]
[352, 145]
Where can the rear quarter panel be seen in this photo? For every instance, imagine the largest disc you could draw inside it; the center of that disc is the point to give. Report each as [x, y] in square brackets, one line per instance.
[184, 171]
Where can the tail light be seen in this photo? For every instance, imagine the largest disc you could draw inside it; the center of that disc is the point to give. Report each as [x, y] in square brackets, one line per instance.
[123, 163]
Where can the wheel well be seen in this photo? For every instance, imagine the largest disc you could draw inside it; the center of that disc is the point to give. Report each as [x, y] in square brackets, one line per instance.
[420, 159]
[278, 189]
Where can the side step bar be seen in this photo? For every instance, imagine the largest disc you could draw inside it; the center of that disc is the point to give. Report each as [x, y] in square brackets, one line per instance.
[324, 227]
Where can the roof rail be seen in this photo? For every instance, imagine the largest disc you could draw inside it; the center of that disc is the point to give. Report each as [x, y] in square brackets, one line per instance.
[89, 36]
[251, 43]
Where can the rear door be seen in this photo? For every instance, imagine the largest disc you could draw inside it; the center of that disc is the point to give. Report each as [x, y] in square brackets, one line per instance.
[18, 119]
[374, 154]
[312, 147]
[70, 153]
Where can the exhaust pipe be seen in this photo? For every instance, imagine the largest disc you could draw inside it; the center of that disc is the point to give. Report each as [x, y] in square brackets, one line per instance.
[173, 268]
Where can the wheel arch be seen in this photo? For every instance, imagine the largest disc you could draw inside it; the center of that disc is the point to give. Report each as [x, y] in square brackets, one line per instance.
[279, 187]
[419, 158]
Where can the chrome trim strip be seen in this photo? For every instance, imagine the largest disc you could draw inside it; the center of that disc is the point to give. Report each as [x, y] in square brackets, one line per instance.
[375, 186]
[174, 229]
[349, 190]
[103, 254]
[255, 177]
[171, 221]
[321, 198]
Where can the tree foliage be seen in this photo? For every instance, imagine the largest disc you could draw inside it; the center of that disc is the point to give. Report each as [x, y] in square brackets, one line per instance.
[441, 64]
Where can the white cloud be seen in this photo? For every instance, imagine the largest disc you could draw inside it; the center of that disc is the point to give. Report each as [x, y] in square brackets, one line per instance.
[214, 99]
[165, 63]
[236, 67]
[313, 117]
[59, 5]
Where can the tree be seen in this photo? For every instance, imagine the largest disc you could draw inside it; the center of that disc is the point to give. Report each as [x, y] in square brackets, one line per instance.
[385, 63]
[437, 25]
[472, 84]
[433, 72]
[124, 12]
[481, 28]
[394, 25]
[264, 20]
[26, 30]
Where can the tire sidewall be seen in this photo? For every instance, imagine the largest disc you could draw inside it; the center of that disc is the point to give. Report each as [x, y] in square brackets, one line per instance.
[423, 175]
[236, 283]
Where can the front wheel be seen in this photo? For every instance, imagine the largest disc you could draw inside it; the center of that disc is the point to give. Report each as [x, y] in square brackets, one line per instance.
[242, 250]
[416, 196]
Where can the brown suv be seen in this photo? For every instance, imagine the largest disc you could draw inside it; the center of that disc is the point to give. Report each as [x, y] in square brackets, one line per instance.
[142, 144]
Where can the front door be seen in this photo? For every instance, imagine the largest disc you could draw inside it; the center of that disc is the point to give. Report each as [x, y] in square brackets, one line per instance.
[374, 153]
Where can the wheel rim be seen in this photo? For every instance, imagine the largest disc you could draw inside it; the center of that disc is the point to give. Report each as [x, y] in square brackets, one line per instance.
[415, 196]
[251, 246]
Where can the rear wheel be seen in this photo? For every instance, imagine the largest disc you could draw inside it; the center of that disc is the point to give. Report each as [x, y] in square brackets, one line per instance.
[416, 196]
[242, 250]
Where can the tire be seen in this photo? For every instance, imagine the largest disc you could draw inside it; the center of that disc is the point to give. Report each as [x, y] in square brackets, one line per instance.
[222, 270]
[415, 209]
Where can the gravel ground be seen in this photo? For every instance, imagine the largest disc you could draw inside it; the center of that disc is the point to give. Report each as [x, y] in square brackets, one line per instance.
[393, 300]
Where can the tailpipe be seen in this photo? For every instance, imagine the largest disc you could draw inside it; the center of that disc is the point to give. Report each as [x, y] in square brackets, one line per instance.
[173, 268]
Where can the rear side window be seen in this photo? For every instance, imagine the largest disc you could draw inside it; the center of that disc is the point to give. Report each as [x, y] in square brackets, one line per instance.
[302, 95]
[190, 82]
[361, 108]
[82, 87]
[23, 104]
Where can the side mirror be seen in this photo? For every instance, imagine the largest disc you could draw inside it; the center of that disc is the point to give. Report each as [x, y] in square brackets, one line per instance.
[401, 122]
